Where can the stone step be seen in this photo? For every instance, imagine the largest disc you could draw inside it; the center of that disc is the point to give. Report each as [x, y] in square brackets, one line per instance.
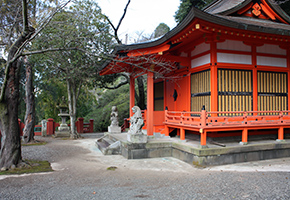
[108, 141]
[160, 135]
[108, 146]
[113, 139]
[101, 145]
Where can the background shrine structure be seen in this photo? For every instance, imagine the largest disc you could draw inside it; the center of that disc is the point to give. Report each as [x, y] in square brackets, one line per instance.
[222, 71]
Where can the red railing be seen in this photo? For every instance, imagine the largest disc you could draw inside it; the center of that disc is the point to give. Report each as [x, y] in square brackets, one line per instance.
[125, 125]
[206, 119]
[183, 118]
[51, 126]
[227, 121]
[80, 125]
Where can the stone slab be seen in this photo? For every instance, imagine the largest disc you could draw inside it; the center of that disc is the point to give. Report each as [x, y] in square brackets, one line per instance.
[193, 154]
[114, 129]
[63, 134]
[137, 138]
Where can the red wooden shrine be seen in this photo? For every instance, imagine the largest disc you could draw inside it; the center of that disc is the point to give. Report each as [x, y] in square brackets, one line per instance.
[223, 70]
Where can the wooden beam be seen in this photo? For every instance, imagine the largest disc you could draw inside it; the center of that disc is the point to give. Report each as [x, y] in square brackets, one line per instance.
[184, 61]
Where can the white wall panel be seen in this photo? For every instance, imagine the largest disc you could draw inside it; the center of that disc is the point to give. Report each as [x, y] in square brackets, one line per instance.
[200, 49]
[200, 61]
[270, 61]
[233, 45]
[183, 54]
[234, 58]
[271, 49]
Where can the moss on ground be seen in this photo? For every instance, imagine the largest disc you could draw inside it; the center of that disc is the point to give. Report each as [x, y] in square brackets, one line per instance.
[112, 168]
[36, 143]
[32, 166]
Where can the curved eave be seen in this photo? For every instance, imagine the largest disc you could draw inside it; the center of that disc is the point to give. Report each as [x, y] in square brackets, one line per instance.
[280, 11]
[194, 13]
[277, 9]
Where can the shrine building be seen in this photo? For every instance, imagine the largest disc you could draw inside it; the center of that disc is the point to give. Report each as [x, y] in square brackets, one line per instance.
[223, 71]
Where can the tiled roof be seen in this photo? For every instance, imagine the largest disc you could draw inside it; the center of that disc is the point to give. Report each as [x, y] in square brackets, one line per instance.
[228, 7]
[257, 22]
[222, 5]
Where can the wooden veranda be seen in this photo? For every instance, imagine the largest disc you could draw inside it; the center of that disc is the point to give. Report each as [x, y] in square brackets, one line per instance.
[204, 122]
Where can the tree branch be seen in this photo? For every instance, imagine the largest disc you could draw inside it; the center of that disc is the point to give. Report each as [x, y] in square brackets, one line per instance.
[119, 84]
[35, 33]
[125, 10]
[119, 24]
[25, 17]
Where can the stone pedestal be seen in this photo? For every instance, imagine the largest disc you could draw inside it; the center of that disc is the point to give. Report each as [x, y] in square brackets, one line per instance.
[63, 131]
[137, 138]
[114, 129]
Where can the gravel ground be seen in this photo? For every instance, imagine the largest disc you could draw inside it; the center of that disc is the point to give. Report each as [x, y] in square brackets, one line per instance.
[81, 173]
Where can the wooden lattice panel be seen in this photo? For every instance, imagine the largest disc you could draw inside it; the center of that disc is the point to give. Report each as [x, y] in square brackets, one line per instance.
[234, 90]
[272, 91]
[200, 91]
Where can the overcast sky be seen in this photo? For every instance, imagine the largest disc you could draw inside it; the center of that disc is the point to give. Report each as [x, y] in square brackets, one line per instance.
[142, 15]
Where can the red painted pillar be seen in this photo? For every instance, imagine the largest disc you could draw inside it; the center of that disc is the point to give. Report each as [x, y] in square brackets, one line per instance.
[50, 127]
[91, 125]
[244, 136]
[214, 77]
[203, 138]
[280, 134]
[182, 134]
[166, 130]
[150, 103]
[80, 125]
[132, 95]
[255, 79]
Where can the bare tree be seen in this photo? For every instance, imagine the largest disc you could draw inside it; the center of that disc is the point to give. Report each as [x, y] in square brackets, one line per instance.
[10, 154]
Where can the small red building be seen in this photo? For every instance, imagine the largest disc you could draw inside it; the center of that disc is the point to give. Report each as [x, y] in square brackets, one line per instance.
[223, 70]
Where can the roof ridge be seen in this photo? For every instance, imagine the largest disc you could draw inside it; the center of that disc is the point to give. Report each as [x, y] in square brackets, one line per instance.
[228, 7]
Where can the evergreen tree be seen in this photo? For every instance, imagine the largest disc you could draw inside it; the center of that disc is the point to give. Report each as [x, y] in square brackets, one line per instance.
[186, 5]
[161, 29]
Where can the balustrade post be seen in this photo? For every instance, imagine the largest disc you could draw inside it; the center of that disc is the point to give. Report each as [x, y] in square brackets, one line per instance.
[182, 118]
[50, 127]
[80, 127]
[202, 131]
[245, 118]
[91, 125]
[203, 118]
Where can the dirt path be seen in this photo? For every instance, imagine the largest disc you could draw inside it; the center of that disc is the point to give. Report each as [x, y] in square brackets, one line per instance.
[81, 173]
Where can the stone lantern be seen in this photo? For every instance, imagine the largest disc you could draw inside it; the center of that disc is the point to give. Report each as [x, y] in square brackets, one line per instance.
[63, 130]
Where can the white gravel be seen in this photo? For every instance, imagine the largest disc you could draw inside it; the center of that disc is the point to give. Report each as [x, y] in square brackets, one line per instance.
[81, 173]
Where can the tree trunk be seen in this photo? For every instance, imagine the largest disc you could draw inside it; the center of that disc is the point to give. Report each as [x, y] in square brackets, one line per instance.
[10, 154]
[141, 99]
[71, 89]
[28, 132]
